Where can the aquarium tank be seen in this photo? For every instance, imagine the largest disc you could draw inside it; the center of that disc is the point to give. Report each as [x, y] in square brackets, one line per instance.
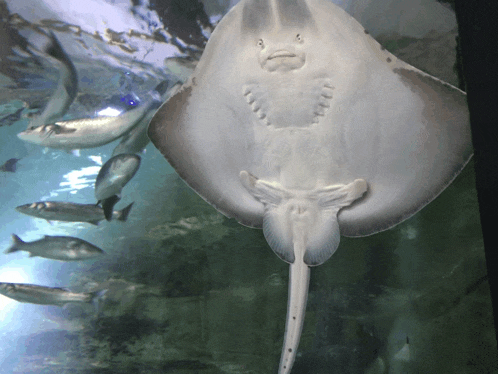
[111, 263]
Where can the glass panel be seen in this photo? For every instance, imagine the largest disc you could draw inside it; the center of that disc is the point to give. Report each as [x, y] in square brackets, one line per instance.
[181, 288]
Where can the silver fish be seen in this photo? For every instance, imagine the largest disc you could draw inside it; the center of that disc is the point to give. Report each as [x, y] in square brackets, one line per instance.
[136, 140]
[85, 132]
[67, 86]
[112, 177]
[71, 212]
[62, 248]
[30, 293]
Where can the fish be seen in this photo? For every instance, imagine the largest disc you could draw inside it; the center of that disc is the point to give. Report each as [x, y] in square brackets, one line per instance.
[71, 212]
[111, 179]
[62, 248]
[34, 294]
[298, 122]
[10, 165]
[67, 86]
[85, 132]
[10, 119]
[137, 139]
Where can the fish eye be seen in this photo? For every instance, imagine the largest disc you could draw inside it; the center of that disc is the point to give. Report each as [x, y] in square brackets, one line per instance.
[261, 43]
[299, 38]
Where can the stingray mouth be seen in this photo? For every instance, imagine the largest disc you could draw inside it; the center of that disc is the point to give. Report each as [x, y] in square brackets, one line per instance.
[282, 60]
[281, 53]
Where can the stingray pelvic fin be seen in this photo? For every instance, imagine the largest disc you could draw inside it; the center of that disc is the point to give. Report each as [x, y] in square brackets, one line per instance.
[292, 213]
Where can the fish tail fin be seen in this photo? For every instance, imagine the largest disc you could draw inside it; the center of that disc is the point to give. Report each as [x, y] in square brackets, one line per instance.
[108, 206]
[122, 215]
[16, 244]
[10, 165]
[162, 87]
[54, 49]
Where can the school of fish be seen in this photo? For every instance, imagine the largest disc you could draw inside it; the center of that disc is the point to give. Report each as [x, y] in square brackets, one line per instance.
[48, 130]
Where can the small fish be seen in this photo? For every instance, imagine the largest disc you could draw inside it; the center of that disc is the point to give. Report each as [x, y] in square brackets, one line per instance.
[67, 86]
[9, 119]
[112, 177]
[10, 165]
[62, 248]
[137, 139]
[86, 132]
[33, 294]
[71, 212]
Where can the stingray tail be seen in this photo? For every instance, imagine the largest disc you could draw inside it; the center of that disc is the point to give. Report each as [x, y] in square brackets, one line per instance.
[302, 229]
[108, 206]
[299, 276]
[122, 215]
[17, 244]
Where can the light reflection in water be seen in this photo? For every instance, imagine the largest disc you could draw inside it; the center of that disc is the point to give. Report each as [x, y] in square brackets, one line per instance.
[78, 179]
[7, 305]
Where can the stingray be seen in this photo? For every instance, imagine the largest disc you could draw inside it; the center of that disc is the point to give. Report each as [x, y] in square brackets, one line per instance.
[297, 121]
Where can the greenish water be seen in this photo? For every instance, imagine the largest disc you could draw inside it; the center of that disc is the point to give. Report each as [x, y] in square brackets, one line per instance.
[199, 293]
[192, 292]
